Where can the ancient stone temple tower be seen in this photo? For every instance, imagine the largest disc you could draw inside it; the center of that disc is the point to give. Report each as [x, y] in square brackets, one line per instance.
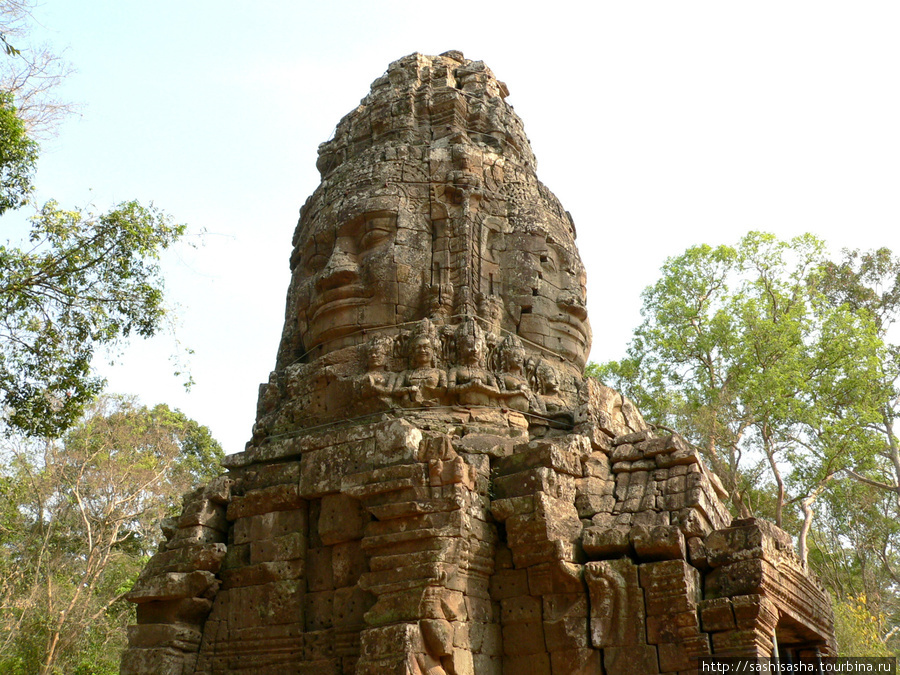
[432, 487]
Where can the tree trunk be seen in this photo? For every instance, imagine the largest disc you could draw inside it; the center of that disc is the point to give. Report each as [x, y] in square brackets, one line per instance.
[779, 481]
[808, 513]
[894, 452]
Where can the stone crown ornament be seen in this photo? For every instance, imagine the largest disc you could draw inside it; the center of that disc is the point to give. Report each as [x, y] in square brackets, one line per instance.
[432, 487]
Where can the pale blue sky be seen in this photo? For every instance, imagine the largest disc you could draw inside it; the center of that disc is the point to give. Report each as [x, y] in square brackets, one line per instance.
[658, 124]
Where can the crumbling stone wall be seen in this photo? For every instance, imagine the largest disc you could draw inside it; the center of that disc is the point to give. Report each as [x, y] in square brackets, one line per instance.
[432, 487]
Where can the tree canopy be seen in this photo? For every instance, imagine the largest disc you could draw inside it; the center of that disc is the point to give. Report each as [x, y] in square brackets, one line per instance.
[742, 351]
[84, 479]
[78, 519]
[775, 361]
[82, 280]
[18, 155]
[85, 280]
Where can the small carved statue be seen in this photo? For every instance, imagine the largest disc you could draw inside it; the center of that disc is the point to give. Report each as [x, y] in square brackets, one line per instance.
[548, 386]
[423, 384]
[377, 384]
[490, 307]
[470, 381]
[441, 302]
[515, 390]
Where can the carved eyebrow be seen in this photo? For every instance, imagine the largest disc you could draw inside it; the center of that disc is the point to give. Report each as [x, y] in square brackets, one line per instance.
[315, 244]
[380, 218]
[351, 227]
[319, 242]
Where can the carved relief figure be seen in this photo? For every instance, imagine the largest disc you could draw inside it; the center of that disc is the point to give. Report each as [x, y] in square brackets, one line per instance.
[377, 384]
[440, 302]
[548, 385]
[515, 391]
[470, 381]
[423, 384]
[490, 308]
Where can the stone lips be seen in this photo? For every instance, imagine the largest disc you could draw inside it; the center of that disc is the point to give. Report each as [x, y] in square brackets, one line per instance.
[433, 488]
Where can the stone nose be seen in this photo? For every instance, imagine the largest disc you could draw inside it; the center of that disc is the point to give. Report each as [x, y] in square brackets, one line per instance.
[341, 270]
[572, 302]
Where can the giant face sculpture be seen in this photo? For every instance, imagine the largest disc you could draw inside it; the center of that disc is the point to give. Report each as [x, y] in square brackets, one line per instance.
[545, 291]
[428, 437]
[360, 266]
[429, 207]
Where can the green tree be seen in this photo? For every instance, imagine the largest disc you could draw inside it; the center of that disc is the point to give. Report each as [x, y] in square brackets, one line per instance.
[742, 352]
[853, 548]
[858, 629]
[18, 155]
[85, 280]
[869, 281]
[82, 280]
[858, 537]
[79, 518]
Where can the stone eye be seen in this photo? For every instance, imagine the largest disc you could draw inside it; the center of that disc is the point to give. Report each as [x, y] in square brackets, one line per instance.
[315, 262]
[372, 239]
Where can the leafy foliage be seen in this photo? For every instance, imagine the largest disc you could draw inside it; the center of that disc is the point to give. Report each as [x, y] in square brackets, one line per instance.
[82, 280]
[77, 515]
[8, 48]
[18, 155]
[869, 282]
[79, 519]
[743, 352]
[775, 361]
[858, 629]
[85, 280]
[854, 551]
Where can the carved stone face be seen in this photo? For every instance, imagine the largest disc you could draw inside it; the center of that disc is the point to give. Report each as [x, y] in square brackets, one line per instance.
[378, 354]
[545, 291]
[430, 216]
[357, 270]
[421, 352]
[470, 344]
[423, 214]
[513, 355]
[562, 274]
[548, 379]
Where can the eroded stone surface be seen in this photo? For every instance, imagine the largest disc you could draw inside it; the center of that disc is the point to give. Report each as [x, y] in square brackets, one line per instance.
[431, 486]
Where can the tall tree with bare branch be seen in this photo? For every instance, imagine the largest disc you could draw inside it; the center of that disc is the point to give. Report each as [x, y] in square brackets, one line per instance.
[81, 516]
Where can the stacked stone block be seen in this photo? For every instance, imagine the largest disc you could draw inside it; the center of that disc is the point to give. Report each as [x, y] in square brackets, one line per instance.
[397, 548]
[174, 593]
[430, 555]
[539, 582]
[757, 589]
[257, 618]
